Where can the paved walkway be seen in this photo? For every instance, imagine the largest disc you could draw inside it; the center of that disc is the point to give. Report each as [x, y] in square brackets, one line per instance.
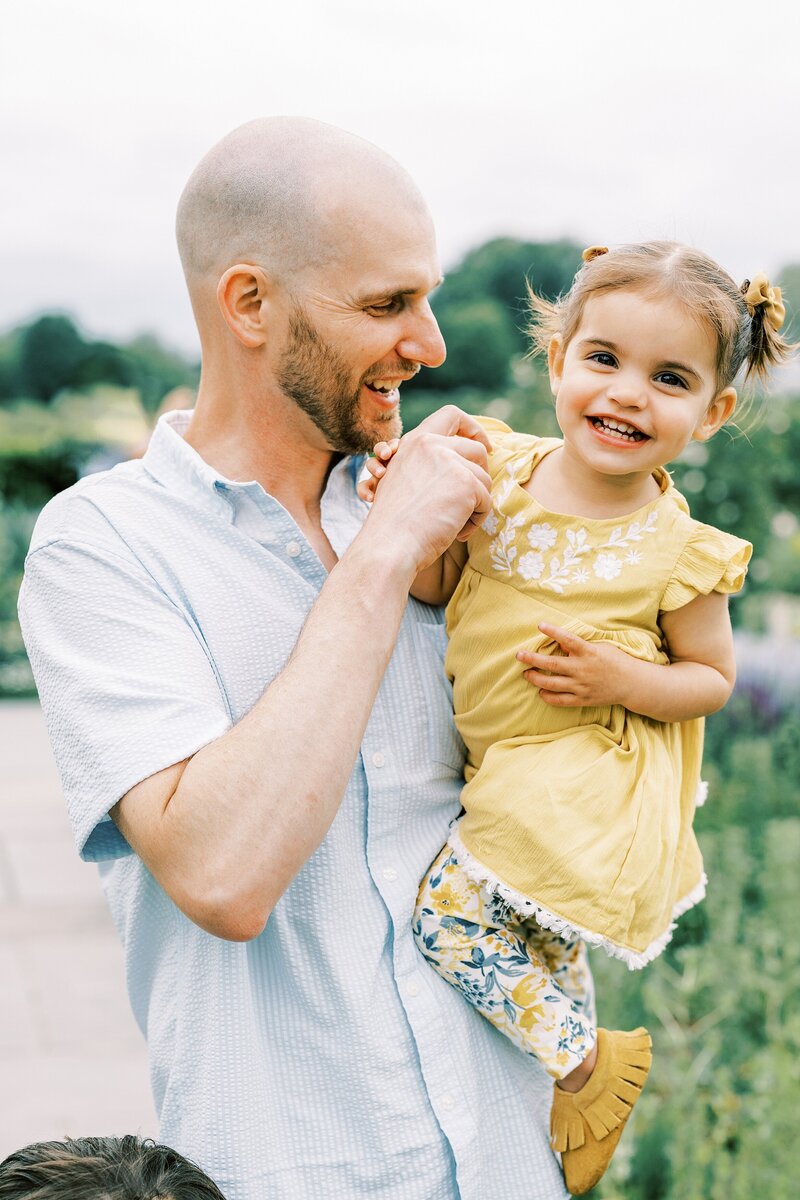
[72, 1060]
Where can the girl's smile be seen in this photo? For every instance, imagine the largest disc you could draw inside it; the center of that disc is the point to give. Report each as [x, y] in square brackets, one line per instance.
[634, 385]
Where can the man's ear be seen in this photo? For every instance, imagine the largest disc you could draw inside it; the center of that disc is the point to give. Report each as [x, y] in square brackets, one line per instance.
[241, 295]
[555, 362]
[718, 413]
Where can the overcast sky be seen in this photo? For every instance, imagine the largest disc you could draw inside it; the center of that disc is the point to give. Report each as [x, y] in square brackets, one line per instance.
[606, 122]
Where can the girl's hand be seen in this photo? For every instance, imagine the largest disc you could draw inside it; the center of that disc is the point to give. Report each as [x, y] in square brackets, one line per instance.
[589, 673]
[383, 453]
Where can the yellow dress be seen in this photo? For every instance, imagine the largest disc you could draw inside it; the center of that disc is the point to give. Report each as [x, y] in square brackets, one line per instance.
[579, 817]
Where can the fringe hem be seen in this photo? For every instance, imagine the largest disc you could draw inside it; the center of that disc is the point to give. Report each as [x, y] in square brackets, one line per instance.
[523, 906]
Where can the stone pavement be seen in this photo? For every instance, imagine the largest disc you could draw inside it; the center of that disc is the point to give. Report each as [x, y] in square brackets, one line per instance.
[72, 1059]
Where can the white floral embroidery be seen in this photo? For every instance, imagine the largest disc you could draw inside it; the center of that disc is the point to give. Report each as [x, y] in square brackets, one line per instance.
[607, 566]
[542, 537]
[571, 566]
[634, 533]
[501, 549]
[531, 565]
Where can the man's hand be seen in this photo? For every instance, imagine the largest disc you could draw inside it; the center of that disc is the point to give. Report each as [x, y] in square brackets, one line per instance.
[588, 673]
[437, 491]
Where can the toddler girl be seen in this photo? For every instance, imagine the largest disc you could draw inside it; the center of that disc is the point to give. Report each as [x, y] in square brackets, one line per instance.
[581, 789]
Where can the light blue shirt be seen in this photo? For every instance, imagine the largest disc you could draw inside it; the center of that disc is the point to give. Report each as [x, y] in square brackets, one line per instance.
[324, 1058]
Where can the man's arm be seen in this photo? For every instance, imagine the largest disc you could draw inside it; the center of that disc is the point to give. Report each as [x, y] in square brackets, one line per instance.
[225, 832]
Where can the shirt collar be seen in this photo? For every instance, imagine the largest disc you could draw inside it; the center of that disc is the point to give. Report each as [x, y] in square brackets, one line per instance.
[177, 466]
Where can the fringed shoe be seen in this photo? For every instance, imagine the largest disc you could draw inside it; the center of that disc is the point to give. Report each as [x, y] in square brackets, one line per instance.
[585, 1126]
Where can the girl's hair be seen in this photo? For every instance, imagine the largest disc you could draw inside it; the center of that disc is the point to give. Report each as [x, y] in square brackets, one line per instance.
[744, 332]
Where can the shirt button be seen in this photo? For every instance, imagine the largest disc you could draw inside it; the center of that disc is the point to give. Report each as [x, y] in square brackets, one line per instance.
[293, 549]
[378, 760]
[413, 988]
[390, 874]
[448, 1102]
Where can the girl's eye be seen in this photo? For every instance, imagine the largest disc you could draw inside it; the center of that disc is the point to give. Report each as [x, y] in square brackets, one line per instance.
[603, 358]
[671, 380]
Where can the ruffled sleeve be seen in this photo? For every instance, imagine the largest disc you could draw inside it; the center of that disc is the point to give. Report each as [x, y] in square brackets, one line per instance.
[508, 446]
[712, 561]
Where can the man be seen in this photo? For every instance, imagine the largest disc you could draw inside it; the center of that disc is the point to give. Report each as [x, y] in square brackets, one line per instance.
[251, 717]
[103, 1168]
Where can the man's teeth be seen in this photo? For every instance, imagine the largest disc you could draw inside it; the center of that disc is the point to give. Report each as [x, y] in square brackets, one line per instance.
[627, 433]
[385, 386]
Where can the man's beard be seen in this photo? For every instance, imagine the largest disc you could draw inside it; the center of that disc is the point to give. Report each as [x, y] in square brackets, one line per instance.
[317, 379]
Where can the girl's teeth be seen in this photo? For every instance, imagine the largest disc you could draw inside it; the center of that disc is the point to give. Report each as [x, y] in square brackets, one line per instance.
[625, 432]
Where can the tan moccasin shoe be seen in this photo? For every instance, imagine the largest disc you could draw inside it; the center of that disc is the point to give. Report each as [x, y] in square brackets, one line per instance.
[585, 1126]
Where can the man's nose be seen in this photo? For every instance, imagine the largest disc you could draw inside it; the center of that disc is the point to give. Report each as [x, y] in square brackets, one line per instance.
[422, 340]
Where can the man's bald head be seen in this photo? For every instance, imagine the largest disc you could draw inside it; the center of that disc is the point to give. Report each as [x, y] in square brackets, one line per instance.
[274, 193]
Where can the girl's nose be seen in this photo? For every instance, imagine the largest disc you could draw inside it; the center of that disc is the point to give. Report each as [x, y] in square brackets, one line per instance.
[628, 391]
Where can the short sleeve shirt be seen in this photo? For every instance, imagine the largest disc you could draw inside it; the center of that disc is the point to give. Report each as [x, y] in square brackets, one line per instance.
[322, 1058]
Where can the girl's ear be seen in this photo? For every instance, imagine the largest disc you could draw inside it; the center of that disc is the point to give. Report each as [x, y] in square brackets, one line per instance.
[555, 362]
[718, 413]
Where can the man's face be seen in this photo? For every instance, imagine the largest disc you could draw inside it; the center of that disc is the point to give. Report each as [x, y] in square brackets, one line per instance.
[360, 327]
[318, 378]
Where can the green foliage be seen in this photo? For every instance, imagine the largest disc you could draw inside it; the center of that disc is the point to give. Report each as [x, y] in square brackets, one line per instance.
[480, 343]
[717, 1119]
[50, 355]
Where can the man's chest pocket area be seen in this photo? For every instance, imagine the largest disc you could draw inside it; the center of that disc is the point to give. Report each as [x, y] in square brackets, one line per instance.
[436, 708]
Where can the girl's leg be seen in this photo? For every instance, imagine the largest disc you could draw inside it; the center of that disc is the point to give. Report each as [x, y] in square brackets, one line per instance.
[568, 963]
[470, 940]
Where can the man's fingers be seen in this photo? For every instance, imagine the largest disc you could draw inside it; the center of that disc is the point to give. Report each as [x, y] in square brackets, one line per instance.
[453, 422]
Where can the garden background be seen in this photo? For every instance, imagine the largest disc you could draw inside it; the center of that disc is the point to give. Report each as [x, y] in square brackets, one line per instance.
[532, 130]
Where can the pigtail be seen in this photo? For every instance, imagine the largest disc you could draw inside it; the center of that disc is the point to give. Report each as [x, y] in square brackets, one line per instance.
[766, 347]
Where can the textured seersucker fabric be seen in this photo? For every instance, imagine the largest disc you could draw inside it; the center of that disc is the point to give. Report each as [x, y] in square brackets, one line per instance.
[323, 1058]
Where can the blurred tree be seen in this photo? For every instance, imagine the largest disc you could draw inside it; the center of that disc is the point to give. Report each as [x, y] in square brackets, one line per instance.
[482, 312]
[480, 341]
[789, 280]
[50, 351]
[157, 370]
[10, 382]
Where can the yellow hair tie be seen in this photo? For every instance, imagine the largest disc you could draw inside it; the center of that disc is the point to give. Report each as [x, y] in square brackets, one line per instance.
[593, 252]
[759, 294]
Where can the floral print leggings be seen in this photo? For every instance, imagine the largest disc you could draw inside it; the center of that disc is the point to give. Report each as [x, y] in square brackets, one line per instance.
[533, 986]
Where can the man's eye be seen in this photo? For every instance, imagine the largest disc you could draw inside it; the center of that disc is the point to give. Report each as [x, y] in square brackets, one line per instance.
[382, 310]
[603, 358]
[671, 380]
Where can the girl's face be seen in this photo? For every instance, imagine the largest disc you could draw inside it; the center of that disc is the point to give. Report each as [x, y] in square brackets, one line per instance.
[636, 383]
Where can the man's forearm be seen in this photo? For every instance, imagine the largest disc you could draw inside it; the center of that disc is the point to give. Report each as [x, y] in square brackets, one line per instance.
[251, 807]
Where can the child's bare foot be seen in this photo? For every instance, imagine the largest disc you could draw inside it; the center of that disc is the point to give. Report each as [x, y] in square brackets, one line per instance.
[586, 1124]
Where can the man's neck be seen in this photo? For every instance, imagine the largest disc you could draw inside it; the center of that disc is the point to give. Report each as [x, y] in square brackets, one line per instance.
[273, 443]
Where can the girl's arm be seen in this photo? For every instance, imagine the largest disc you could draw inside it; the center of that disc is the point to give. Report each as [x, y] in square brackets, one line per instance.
[696, 682]
[436, 584]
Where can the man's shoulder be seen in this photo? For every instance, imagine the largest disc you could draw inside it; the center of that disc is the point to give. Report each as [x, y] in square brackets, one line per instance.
[83, 512]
